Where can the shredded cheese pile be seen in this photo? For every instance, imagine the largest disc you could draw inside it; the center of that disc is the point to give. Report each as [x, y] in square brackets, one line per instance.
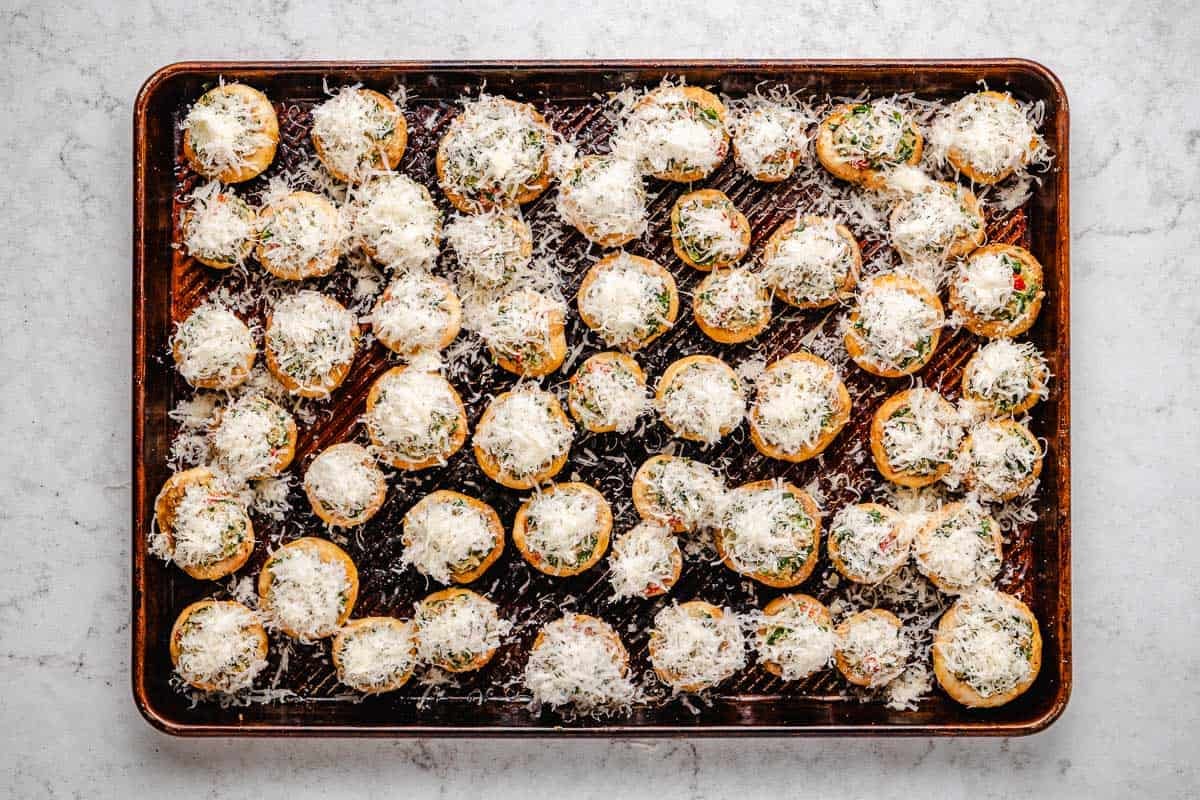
[494, 151]
[767, 531]
[795, 404]
[768, 136]
[224, 131]
[219, 646]
[930, 222]
[415, 414]
[733, 299]
[311, 336]
[445, 535]
[458, 630]
[344, 479]
[577, 663]
[686, 492]
[212, 343]
[870, 543]
[625, 302]
[960, 551]
[396, 218]
[249, 437]
[795, 640]
[990, 646]
[218, 225]
[894, 326]
[671, 132]
[1006, 372]
[991, 135]
[704, 400]
[985, 283]
[873, 646]
[697, 651]
[413, 315]
[641, 560]
[810, 263]
[523, 434]
[604, 197]
[518, 326]
[351, 126]
[562, 527]
[608, 395]
[307, 593]
[1000, 458]
[488, 247]
[923, 434]
[208, 526]
[375, 655]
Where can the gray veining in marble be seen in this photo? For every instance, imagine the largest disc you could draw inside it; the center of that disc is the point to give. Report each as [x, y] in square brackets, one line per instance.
[67, 723]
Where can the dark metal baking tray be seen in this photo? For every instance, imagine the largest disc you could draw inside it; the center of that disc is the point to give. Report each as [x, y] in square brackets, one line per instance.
[166, 285]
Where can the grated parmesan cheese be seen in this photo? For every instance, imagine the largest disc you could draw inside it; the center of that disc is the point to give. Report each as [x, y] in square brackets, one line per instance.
[993, 136]
[307, 593]
[218, 226]
[605, 393]
[643, 561]
[520, 327]
[990, 646]
[605, 198]
[625, 302]
[252, 437]
[495, 152]
[345, 480]
[313, 337]
[796, 403]
[415, 416]
[352, 127]
[895, 326]
[709, 229]
[934, 221]
[871, 542]
[524, 435]
[219, 645]
[795, 638]
[985, 283]
[1001, 458]
[733, 299]
[1005, 374]
[225, 129]
[397, 222]
[685, 494]
[767, 531]
[959, 549]
[671, 132]
[873, 647]
[455, 631]
[811, 263]
[768, 137]
[694, 651]
[490, 248]
[208, 525]
[445, 534]
[376, 655]
[579, 661]
[563, 526]
[704, 400]
[414, 314]
[923, 434]
[213, 346]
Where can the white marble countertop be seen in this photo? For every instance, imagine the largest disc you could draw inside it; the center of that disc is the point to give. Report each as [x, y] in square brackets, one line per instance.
[68, 726]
